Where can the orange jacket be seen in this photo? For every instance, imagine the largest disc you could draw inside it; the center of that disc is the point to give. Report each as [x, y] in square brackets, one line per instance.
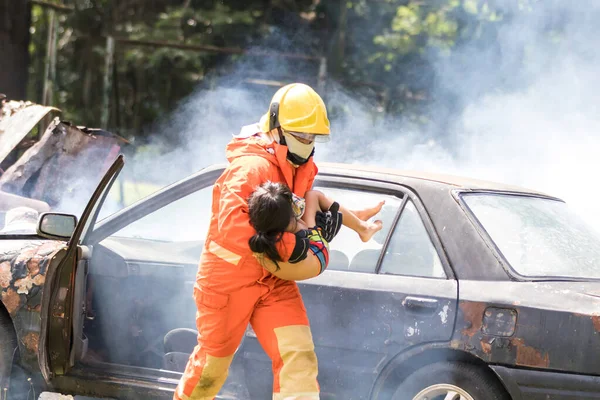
[252, 161]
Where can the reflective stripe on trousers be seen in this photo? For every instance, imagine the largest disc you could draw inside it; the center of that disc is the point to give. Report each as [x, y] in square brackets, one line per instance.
[276, 312]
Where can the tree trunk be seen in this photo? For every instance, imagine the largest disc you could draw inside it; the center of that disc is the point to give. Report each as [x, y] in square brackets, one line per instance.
[336, 59]
[15, 20]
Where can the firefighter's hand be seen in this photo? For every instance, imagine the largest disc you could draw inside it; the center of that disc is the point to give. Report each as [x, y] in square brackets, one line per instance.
[329, 221]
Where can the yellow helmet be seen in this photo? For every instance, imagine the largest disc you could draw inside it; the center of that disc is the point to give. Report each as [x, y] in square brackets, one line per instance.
[297, 108]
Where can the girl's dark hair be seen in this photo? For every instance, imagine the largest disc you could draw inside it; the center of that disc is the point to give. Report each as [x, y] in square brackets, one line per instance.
[270, 210]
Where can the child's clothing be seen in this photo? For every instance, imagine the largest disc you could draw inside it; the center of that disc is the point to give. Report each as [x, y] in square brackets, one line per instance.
[298, 206]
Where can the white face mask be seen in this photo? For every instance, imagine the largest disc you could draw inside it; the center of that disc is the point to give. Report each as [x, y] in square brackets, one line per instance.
[298, 148]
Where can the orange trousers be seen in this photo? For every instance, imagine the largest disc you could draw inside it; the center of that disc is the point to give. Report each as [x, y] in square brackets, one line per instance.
[229, 297]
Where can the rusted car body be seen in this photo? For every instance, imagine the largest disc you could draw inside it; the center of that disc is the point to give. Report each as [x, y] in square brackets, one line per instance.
[451, 278]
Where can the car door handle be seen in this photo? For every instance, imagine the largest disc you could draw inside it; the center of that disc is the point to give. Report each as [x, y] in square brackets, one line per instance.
[420, 305]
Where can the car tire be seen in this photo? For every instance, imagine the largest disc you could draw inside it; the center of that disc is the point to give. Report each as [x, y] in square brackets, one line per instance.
[466, 381]
[8, 343]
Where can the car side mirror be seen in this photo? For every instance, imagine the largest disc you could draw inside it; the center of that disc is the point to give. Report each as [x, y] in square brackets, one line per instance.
[56, 225]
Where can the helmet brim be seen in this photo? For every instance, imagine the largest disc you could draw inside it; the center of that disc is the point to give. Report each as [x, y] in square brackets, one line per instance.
[322, 138]
[263, 123]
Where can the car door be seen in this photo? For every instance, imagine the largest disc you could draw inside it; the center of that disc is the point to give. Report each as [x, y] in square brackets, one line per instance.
[61, 341]
[142, 275]
[139, 255]
[376, 299]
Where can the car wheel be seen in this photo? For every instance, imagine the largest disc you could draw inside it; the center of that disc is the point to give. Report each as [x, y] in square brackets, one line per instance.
[8, 343]
[450, 381]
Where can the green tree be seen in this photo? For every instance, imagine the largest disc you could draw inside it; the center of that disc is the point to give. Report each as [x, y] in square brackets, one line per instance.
[15, 18]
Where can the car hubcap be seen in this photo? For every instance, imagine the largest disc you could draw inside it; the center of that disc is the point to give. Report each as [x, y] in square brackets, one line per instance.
[443, 391]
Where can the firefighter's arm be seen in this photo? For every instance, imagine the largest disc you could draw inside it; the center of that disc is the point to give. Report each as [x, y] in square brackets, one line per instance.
[244, 175]
[308, 259]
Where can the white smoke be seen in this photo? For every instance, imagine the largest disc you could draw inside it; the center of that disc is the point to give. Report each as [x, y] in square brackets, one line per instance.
[543, 137]
[537, 125]
[525, 113]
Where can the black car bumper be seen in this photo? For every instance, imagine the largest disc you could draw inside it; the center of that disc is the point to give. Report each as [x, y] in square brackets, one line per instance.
[525, 384]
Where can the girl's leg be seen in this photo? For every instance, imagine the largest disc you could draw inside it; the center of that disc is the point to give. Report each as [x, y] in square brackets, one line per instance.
[317, 201]
[368, 213]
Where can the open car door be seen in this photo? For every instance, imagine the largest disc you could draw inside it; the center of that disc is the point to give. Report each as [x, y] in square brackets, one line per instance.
[63, 306]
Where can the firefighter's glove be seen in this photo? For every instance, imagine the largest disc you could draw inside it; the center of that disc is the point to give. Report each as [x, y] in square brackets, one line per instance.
[329, 222]
[301, 249]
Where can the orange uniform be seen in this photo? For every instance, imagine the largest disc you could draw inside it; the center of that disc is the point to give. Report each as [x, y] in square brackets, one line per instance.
[232, 289]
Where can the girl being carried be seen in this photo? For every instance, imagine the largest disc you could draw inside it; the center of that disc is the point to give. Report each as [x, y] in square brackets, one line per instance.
[274, 209]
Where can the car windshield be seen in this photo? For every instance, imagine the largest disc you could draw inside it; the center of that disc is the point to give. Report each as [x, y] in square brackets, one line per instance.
[538, 237]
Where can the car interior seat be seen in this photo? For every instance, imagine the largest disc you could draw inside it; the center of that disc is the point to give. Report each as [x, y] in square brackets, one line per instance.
[338, 260]
[179, 344]
[365, 260]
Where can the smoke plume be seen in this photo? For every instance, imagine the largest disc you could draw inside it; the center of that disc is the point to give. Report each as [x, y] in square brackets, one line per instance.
[526, 115]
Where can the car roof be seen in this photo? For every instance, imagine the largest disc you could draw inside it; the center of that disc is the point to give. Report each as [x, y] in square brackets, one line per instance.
[419, 179]
[415, 179]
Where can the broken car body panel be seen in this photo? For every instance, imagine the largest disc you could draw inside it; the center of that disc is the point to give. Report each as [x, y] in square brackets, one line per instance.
[23, 269]
[60, 163]
[17, 119]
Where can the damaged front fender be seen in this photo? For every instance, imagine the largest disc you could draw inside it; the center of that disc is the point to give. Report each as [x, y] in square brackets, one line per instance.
[23, 269]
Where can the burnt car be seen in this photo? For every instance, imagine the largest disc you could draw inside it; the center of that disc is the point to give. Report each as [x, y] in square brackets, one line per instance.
[473, 291]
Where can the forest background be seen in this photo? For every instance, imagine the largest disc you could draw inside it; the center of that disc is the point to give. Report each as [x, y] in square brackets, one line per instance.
[495, 89]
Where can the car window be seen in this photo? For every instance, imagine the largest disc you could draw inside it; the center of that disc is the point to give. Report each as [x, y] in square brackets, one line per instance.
[186, 219]
[538, 237]
[410, 250]
[347, 251]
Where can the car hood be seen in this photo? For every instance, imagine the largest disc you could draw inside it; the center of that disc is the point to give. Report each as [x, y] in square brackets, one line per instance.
[17, 119]
[9, 246]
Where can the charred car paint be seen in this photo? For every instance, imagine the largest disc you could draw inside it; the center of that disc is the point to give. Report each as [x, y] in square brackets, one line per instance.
[22, 282]
[433, 287]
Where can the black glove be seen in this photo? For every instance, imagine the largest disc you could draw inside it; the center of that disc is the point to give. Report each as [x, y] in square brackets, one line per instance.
[329, 221]
[301, 249]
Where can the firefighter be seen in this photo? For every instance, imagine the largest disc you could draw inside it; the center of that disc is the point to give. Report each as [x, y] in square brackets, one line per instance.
[232, 289]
